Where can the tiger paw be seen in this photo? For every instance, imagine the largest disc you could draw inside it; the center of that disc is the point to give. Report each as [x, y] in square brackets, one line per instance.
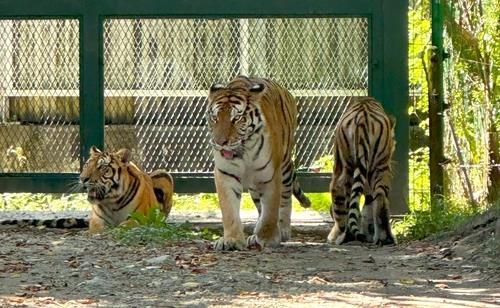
[389, 240]
[229, 244]
[254, 240]
[286, 233]
[334, 234]
[339, 238]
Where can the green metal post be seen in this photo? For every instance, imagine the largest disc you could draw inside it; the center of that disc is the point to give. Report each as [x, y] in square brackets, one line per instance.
[91, 87]
[436, 107]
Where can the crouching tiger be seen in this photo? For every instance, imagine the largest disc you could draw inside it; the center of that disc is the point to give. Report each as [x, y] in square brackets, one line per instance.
[252, 122]
[116, 187]
[364, 144]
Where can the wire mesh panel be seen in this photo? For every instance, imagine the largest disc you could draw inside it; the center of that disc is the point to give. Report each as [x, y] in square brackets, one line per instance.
[39, 97]
[157, 73]
[419, 44]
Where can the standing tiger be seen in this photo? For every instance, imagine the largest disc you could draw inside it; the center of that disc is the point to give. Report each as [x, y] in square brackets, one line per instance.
[116, 187]
[252, 123]
[364, 144]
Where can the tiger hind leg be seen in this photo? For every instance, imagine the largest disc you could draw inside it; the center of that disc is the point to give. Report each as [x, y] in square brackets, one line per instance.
[381, 217]
[256, 199]
[354, 213]
[338, 211]
[367, 227]
[163, 186]
[285, 216]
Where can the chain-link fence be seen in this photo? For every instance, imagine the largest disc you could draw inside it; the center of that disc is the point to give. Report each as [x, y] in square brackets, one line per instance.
[157, 72]
[470, 116]
[419, 42]
[471, 76]
[39, 96]
[156, 76]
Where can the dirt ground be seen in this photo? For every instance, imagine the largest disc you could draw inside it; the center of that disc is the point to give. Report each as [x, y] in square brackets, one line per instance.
[53, 268]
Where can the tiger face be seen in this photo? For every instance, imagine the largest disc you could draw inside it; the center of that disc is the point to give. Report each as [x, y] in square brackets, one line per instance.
[101, 173]
[230, 117]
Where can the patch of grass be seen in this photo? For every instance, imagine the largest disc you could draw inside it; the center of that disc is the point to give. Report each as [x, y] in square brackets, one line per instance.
[43, 202]
[210, 202]
[421, 223]
[153, 228]
[319, 202]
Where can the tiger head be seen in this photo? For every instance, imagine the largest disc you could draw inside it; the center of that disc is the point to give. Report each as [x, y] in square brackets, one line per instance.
[232, 115]
[101, 173]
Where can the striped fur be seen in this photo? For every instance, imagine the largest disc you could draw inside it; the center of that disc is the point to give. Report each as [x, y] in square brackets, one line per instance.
[116, 188]
[252, 123]
[364, 144]
[63, 223]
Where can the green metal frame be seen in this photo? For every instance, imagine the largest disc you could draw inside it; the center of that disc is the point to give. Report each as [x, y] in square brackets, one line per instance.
[436, 107]
[388, 69]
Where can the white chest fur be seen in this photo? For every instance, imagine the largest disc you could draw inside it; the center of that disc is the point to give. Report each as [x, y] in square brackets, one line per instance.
[255, 165]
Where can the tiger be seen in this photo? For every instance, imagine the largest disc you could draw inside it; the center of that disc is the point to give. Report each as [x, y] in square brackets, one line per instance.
[364, 144]
[116, 187]
[252, 122]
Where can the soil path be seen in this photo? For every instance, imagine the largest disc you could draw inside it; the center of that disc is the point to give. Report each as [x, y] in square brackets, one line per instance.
[50, 268]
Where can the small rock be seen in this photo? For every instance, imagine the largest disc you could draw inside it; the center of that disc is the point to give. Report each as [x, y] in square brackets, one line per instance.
[370, 259]
[190, 285]
[159, 260]
[446, 252]
[155, 283]
[227, 290]
[96, 281]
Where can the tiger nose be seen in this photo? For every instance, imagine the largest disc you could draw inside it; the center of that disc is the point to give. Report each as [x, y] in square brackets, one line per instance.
[84, 180]
[221, 140]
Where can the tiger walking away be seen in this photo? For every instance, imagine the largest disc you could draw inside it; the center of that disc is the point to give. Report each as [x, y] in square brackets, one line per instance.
[363, 145]
[252, 123]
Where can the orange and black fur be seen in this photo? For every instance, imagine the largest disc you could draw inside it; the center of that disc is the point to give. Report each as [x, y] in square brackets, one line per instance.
[116, 187]
[252, 123]
[364, 144]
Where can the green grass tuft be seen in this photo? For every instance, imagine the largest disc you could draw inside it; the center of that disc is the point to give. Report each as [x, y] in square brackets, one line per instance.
[421, 223]
[153, 228]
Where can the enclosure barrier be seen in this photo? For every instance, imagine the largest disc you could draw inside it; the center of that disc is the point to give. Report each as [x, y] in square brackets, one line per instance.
[135, 74]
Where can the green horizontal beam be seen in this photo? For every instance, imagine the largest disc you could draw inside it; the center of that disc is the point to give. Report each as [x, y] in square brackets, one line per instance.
[195, 8]
[37, 183]
[183, 182]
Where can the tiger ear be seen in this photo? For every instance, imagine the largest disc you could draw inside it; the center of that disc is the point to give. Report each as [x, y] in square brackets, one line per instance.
[216, 87]
[258, 87]
[94, 150]
[124, 155]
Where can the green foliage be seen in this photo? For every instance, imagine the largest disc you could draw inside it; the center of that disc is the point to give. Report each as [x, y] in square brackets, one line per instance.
[206, 202]
[319, 202]
[153, 228]
[323, 164]
[43, 202]
[422, 223]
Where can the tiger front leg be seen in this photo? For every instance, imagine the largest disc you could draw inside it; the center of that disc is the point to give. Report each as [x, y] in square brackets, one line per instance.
[96, 224]
[229, 192]
[267, 233]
